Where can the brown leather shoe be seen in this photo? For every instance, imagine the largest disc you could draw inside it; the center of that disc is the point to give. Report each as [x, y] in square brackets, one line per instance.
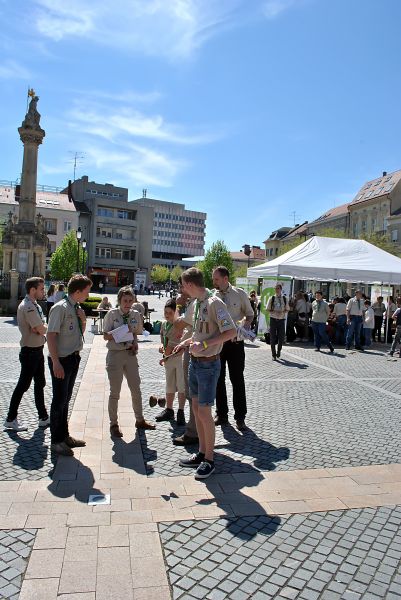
[115, 431]
[74, 443]
[185, 440]
[241, 425]
[144, 425]
[220, 420]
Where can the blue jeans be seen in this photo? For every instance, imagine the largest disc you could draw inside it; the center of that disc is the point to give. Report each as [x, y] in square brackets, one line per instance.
[354, 328]
[202, 378]
[368, 336]
[320, 335]
[341, 327]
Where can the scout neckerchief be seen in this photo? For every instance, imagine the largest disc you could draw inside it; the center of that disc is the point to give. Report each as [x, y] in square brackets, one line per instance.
[359, 303]
[167, 328]
[75, 307]
[197, 307]
[38, 308]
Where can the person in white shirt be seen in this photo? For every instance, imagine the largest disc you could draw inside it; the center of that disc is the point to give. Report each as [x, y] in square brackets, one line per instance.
[368, 323]
[354, 312]
[340, 311]
[379, 308]
[278, 308]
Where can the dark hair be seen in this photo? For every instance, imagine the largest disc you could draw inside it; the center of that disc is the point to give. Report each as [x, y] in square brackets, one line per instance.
[51, 289]
[78, 283]
[193, 275]
[125, 291]
[60, 287]
[33, 282]
[222, 270]
[367, 302]
[319, 292]
[171, 303]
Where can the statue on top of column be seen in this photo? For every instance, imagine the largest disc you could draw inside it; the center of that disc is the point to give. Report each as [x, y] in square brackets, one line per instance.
[32, 117]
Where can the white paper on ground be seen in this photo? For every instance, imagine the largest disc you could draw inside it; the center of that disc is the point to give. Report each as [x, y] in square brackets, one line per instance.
[122, 334]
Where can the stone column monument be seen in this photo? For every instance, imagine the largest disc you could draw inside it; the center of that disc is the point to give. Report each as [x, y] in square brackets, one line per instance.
[24, 240]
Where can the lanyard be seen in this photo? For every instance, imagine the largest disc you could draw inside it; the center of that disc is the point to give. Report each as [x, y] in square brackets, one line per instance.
[197, 307]
[166, 330]
[75, 307]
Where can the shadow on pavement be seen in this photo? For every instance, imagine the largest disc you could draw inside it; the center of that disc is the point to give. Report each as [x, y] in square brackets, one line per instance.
[31, 453]
[81, 486]
[130, 455]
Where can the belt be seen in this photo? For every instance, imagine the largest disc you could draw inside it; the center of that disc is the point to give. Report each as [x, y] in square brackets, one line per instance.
[205, 358]
[75, 353]
[32, 348]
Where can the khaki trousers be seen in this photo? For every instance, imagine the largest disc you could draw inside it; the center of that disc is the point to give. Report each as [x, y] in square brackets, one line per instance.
[118, 364]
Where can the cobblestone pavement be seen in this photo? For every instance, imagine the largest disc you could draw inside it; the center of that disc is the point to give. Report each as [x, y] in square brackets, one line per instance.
[25, 455]
[339, 555]
[308, 410]
[15, 548]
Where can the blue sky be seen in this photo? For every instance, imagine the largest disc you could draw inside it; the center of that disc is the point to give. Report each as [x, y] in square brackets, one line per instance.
[246, 109]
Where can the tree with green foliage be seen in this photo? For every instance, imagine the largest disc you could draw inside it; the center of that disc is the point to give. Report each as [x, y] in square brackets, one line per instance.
[159, 274]
[176, 273]
[217, 255]
[240, 271]
[63, 262]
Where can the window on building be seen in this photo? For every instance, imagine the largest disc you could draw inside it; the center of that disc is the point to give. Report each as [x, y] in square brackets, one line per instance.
[105, 212]
[118, 254]
[103, 252]
[51, 226]
[394, 235]
[67, 226]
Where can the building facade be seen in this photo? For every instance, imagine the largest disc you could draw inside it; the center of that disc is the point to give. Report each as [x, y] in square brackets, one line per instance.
[59, 215]
[272, 244]
[177, 233]
[116, 231]
[375, 202]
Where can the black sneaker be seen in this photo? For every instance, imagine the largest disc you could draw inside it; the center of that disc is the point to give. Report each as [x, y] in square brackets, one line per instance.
[331, 348]
[204, 470]
[166, 415]
[391, 353]
[180, 417]
[193, 461]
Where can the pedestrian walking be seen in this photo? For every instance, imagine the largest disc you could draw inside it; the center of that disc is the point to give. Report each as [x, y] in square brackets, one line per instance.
[50, 300]
[121, 359]
[60, 294]
[302, 320]
[397, 320]
[278, 307]
[368, 323]
[173, 366]
[320, 314]
[379, 308]
[340, 311]
[65, 332]
[31, 323]
[354, 313]
[212, 326]
[233, 352]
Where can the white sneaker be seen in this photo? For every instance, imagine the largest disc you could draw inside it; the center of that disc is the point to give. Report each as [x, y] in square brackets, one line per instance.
[14, 425]
[44, 422]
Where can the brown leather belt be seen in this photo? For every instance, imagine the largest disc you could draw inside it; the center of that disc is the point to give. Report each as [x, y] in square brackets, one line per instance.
[205, 358]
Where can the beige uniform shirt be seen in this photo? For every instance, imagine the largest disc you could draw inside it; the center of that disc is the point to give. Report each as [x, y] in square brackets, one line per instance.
[63, 320]
[167, 335]
[280, 307]
[210, 317]
[237, 303]
[114, 319]
[355, 307]
[29, 315]
[188, 319]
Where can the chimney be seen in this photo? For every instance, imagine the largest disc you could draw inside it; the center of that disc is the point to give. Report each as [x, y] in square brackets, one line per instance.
[384, 173]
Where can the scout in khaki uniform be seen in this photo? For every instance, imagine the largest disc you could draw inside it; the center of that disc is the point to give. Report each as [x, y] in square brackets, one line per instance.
[173, 365]
[233, 352]
[65, 331]
[212, 326]
[122, 360]
[31, 323]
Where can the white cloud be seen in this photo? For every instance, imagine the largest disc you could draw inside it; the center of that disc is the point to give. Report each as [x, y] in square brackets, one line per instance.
[168, 28]
[10, 69]
[273, 8]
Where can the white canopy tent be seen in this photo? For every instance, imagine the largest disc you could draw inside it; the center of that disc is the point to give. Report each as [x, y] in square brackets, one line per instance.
[334, 259]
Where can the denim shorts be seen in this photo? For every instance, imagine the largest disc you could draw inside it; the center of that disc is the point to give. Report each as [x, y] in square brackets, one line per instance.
[202, 379]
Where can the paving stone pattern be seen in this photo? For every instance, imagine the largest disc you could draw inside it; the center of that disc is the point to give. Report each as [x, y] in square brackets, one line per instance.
[294, 423]
[340, 555]
[15, 549]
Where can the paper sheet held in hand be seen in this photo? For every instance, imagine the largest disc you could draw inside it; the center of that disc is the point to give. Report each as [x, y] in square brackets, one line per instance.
[122, 334]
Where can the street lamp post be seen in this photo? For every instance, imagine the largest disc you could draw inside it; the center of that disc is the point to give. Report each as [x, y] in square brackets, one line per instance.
[83, 255]
[78, 233]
